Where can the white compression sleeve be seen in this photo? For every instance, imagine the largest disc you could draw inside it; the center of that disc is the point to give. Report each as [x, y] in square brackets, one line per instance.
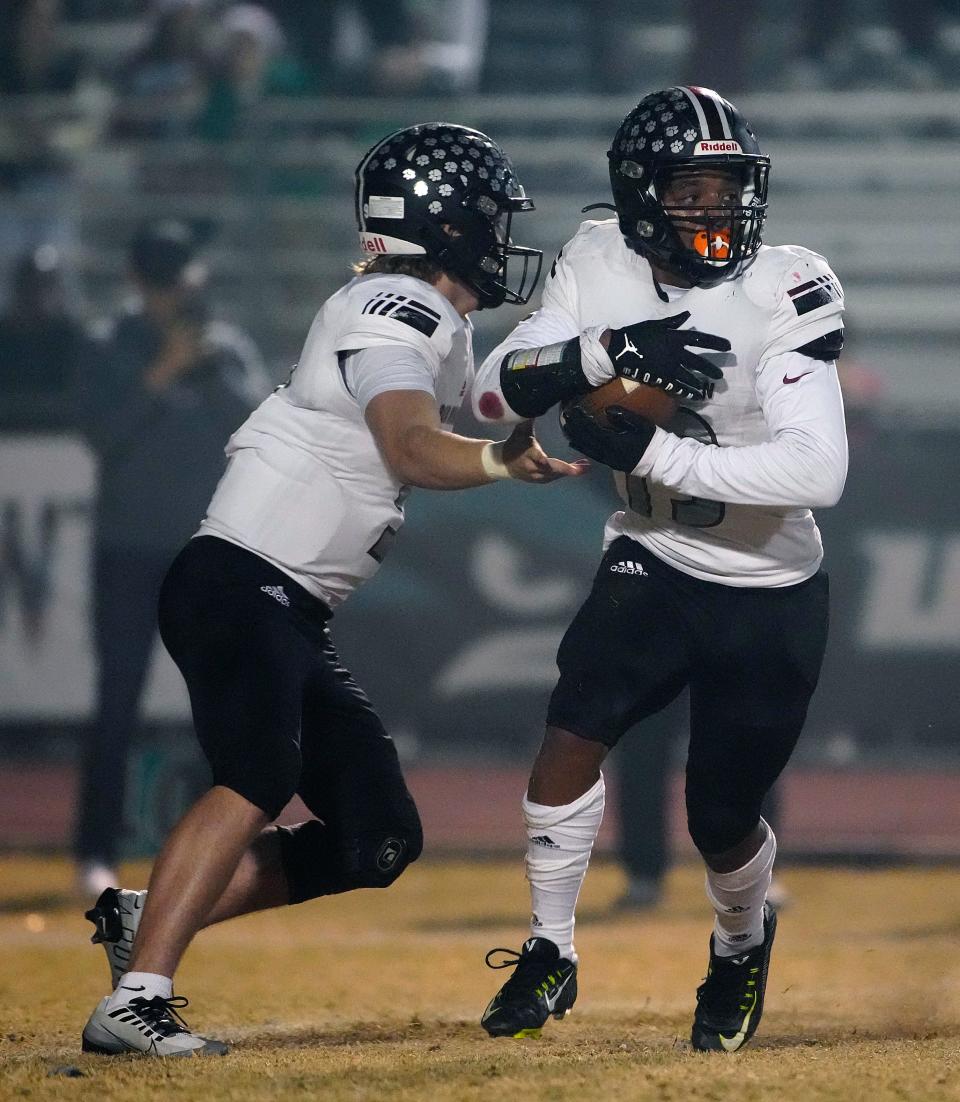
[559, 842]
[738, 899]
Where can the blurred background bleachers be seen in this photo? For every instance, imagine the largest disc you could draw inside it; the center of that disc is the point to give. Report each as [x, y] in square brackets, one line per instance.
[865, 156]
[248, 120]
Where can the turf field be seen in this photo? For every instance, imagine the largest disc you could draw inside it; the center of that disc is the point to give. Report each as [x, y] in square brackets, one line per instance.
[377, 995]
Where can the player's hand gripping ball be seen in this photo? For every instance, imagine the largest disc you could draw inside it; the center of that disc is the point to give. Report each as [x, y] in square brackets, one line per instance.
[651, 402]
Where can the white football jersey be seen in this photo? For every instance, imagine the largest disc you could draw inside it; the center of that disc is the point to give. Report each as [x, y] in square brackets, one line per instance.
[306, 487]
[726, 494]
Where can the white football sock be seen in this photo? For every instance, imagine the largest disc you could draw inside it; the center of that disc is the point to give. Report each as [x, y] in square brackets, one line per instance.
[738, 899]
[140, 985]
[558, 851]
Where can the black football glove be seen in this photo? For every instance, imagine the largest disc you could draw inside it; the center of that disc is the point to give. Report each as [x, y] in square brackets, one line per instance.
[655, 353]
[620, 447]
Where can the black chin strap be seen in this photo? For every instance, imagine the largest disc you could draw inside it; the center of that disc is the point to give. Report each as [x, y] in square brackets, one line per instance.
[661, 293]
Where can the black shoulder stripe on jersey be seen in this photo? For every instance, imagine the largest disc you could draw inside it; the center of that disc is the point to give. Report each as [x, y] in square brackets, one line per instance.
[409, 311]
[821, 295]
[381, 299]
[416, 318]
[426, 309]
[828, 347]
[820, 280]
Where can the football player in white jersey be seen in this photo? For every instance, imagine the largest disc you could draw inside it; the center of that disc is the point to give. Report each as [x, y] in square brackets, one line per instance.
[308, 506]
[711, 572]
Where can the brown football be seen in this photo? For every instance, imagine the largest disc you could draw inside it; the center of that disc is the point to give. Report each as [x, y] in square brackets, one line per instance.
[649, 401]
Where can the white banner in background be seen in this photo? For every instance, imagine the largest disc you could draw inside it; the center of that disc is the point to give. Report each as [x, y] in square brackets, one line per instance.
[46, 661]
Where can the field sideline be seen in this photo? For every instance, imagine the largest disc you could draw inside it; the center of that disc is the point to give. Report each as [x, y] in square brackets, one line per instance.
[378, 995]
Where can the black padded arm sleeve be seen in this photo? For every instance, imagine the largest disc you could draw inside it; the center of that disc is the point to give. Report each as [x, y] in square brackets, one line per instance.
[534, 379]
[827, 347]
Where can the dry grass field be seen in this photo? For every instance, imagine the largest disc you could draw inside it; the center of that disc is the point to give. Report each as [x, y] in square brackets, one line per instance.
[378, 995]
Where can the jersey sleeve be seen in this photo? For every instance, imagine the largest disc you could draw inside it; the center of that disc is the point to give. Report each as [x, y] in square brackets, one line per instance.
[376, 369]
[379, 315]
[804, 465]
[556, 321]
[808, 303]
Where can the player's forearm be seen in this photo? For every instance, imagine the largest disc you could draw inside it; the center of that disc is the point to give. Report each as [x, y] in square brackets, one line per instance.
[522, 382]
[798, 470]
[435, 459]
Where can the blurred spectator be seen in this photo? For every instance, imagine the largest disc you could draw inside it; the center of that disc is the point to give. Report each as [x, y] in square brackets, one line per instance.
[250, 63]
[171, 70]
[41, 346]
[35, 166]
[162, 394]
[451, 38]
[172, 62]
[847, 44]
[31, 60]
[354, 47]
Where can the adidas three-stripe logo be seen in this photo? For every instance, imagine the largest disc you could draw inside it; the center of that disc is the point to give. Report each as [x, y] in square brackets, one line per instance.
[628, 567]
[408, 310]
[276, 592]
[544, 840]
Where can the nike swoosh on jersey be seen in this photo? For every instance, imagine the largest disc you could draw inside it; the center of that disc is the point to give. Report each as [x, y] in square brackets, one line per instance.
[796, 378]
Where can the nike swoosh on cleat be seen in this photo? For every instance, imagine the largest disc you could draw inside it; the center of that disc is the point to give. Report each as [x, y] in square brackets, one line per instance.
[142, 987]
[552, 1002]
[489, 1012]
[120, 1040]
[731, 1044]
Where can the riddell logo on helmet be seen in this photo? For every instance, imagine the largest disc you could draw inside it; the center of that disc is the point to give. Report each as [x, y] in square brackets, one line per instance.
[372, 244]
[716, 147]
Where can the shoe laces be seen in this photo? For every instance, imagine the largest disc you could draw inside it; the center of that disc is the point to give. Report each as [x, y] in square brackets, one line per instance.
[527, 969]
[729, 987]
[162, 1014]
[513, 958]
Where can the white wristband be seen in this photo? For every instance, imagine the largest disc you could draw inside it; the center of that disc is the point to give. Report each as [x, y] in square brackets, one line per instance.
[491, 459]
[595, 362]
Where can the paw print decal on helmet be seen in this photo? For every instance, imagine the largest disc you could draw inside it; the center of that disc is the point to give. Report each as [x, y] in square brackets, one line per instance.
[417, 186]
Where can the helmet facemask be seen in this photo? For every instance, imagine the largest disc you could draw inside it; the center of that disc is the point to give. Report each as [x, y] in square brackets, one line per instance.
[702, 244]
[476, 247]
[684, 132]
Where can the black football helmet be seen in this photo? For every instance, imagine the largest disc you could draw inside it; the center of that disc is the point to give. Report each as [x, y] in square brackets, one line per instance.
[681, 131]
[415, 182]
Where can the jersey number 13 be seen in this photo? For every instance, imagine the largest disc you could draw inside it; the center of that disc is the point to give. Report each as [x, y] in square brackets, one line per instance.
[695, 512]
